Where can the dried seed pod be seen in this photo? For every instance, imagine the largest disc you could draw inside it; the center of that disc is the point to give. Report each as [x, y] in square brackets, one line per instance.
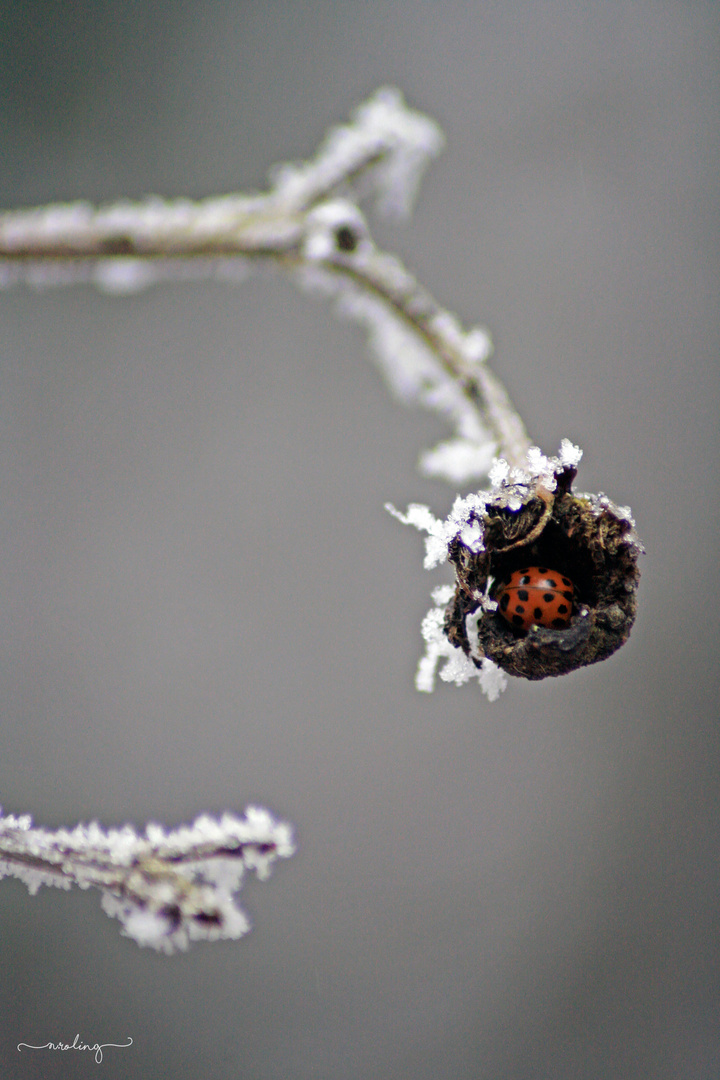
[532, 520]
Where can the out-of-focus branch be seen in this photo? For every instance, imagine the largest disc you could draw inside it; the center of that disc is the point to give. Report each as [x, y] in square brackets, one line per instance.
[310, 224]
[168, 888]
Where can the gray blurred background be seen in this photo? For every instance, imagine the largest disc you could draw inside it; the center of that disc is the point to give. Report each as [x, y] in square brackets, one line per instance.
[203, 602]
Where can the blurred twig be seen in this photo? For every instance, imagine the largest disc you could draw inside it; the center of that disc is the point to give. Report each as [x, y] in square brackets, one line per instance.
[308, 223]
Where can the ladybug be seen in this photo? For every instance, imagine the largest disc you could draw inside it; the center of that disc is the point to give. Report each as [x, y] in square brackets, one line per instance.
[536, 596]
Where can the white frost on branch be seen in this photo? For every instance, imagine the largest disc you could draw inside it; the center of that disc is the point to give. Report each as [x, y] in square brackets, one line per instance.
[167, 888]
[383, 152]
[375, 290]
[309, 224]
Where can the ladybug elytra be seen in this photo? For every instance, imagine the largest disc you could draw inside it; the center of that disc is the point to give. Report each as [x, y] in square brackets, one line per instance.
[536, 596]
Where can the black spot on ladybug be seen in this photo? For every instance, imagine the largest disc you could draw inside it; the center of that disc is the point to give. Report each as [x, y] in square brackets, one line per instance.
[568, 595]
[551, 583]
[562, 609]
[523, 594]
[537, 613]
[548, 596]
[518, 620]
[505, 601]
[542, 570]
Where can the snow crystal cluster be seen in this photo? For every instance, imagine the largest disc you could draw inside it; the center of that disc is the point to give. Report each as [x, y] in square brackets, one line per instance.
[168, 888]
[509, 487]
[458, 668]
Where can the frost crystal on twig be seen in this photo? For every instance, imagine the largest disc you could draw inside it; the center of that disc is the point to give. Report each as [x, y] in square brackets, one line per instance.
[167, 888]
[458, 667]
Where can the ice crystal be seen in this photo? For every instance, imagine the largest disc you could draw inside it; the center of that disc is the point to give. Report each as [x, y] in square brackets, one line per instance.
[458, 668]
[464, 521]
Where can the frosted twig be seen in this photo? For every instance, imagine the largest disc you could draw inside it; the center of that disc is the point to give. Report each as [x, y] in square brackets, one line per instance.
[310, 224]
[168, 888]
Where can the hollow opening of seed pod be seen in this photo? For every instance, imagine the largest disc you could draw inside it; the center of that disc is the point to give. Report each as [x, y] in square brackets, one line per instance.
[555, 551]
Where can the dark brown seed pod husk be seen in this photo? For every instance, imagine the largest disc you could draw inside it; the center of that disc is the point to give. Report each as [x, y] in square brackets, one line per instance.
[584, 537]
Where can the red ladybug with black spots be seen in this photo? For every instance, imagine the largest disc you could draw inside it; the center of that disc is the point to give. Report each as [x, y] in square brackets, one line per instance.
[536, 596]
